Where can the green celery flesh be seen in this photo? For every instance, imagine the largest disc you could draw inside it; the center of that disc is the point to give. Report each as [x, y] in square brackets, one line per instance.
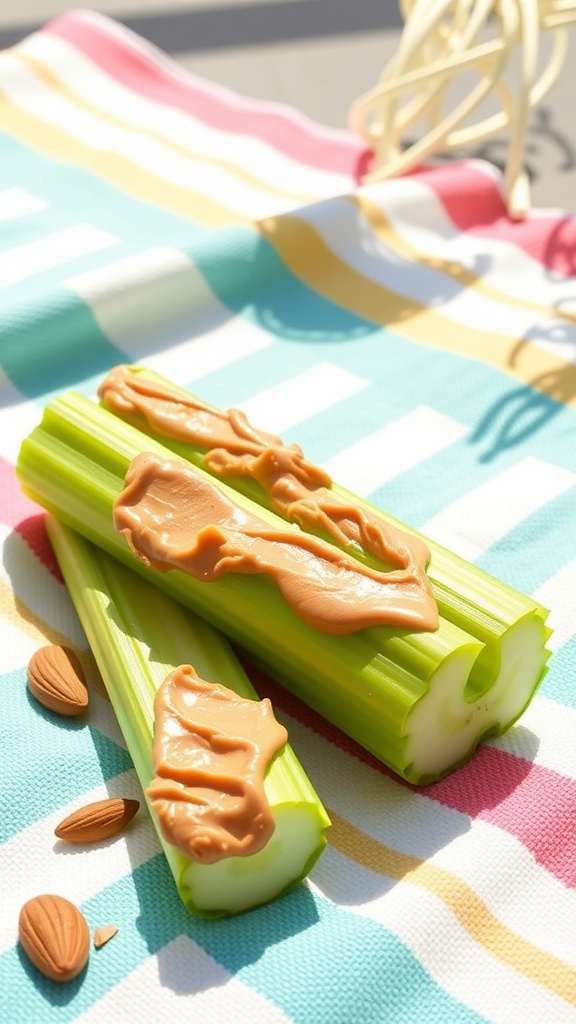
[466, 595]
[378, 685]
[138, 635]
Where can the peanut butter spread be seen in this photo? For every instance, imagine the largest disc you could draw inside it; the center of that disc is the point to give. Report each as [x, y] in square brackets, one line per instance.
[298, 491]
[173, 517]
[211, 751]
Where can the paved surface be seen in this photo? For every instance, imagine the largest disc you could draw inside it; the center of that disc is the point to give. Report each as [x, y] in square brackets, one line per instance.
[316, 55]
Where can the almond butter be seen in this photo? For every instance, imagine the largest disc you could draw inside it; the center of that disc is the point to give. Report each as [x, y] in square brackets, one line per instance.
[96, 821]
[55, 936]
[103, 934]
[56, 680]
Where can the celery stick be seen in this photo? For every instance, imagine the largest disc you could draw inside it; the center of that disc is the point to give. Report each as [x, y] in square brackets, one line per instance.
[420, 702]
[485, 607]
[138, 635]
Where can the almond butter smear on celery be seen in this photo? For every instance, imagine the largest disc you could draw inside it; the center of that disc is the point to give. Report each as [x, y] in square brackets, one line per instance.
[418, 693]
[172, 518]
[211, 751]
[296, 489]
[237, 817]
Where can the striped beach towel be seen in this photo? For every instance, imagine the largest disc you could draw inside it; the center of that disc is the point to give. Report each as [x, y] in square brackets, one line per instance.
[420, 347]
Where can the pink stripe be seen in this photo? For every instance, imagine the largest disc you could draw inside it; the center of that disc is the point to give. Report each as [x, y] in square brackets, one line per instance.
[474, 204]
[121, 54]
[14, 505]
[471, 198]
[26, 518]
[534, 804]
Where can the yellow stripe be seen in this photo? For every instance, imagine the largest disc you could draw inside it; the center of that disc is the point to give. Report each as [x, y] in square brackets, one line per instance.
[382, 227]
[19, 614]
[472, 913]
[311, 260]
[55, 84]
[117, 170]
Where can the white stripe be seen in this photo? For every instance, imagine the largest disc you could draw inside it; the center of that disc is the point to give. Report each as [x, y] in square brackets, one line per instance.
[16, 202]
[397, 447]
[158, 59]
[559, 595]
[418, 214]
[470, 525]
[458, 964]
[218, 347]
[181, 982]
[62, 871]
[17, 645]
[36, 588]
[300, 397]
[351, 237]
[277, 171]
[23, 261]
[527, 899]
[29, 93]
[157, 308]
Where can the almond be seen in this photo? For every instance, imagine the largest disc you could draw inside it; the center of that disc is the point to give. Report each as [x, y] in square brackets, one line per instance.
[55, 936]
[96, 821]
[56, 680]
[103, 934]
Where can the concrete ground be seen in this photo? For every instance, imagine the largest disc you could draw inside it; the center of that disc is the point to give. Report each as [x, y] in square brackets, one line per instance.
[316, 55]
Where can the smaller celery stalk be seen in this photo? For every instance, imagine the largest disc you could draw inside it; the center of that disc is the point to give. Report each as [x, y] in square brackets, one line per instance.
[138, 635]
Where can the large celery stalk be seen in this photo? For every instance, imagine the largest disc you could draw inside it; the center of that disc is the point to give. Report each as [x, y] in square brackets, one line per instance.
[138, 635]
[465, 594]
[419, 701]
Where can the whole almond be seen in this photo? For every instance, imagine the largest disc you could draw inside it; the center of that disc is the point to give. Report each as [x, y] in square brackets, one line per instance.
[56, 680]
[96, 821]
[55, 936]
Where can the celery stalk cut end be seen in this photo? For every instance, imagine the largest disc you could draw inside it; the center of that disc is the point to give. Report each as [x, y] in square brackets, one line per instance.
[449, 721]
[236, 884]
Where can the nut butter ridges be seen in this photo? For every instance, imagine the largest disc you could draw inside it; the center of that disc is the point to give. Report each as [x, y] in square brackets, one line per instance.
[297, 490]
[465, 594]
[211, 752]
[172, 517]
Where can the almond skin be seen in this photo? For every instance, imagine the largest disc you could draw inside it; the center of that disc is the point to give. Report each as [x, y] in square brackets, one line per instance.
[55, 936]
[56, 680]
[99, 820]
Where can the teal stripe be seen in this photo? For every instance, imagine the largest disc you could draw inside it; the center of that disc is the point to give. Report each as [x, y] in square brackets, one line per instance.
[57, 759]
[319, 963]
[425, 489]
[75, 196]
[536, 549]
[558, 684]
[49, 337]
[54, 346]
[246, 273]
[253, 282]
